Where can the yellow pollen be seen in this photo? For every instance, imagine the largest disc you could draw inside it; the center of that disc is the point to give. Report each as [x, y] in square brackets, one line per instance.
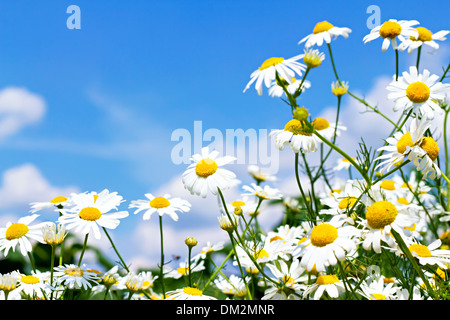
[296, 127]
[388, 280]
[271, 62]
[238, 203]
[323, 234]
[159, 202]
[378, 296]
[403, 142]
[431, 147]
[418, 92]
[320, 124]
[420, 249]
[390, 29]
[402, 200]
[206, 167]
[74, 272]
[347, 202]
[58, 199]
[16, 231]
[192, 291]
[424, 34]
[387, 185]
[381, 214]
[90, 214]
[29, 280]
[322, 27]
[327, 279]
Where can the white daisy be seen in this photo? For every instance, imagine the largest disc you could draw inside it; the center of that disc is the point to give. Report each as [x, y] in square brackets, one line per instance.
[188, 293]
[57, 202]
[327, 129]
[206, 175]
[266, 73]
[324, 32]
[289, 279]
[20, 234]
[425, 37]
[297, 135]
[343, 163]
[34, 285]
[313, 58]
[74, 277]
[160, 205]
[232, 286]
[264, 193]
[259, 175]
[341, 200]
[183, 269]
[431, 254]
[277, 91]
[378, 289]
[91, 211]
[417, 92]
[392, 30]
[209, 248]
[329, 284]
[327, 243]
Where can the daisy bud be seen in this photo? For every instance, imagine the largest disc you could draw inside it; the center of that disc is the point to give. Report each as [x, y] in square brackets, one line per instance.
[226, 224]
[191, 242]
[301, 114]
[53, 235]
[339, 88]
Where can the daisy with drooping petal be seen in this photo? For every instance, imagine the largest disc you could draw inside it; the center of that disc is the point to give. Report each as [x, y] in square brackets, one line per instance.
[289, 279]
[339, 88]
[417, 92]
[326, 243]
[412, 144]
[9, 283]
[160, 205]
[392, 30]
[328, 283]
[233, 286]
[340, 201]
[91, 211]
[297, 135]
[20, 234]
[378, 289]
[206, 173]
[431, 254]
[57, 202]
[75, 277]
[425, 37]
[324, 32]
[266, 73]
[326, 129]
[313, 58]
[188, 293]
[264, 193]
[34, 285]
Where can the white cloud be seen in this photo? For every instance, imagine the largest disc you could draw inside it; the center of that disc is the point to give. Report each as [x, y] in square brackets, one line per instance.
[19, 108]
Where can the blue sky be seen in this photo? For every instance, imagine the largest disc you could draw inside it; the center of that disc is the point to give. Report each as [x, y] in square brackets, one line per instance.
[116, 89]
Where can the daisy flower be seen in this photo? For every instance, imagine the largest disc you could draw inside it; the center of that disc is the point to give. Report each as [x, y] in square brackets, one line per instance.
[277, 91]
[431, 254]
[418, 93]
[20, 234]
[297, 135]
[378, 289]
[259, 175]
[188, 293]
[135, 282]
[52, 234]
[313, 58]
[339, 88]
[413, 145]
[392, 30]
[206, 175]
[160, 205]
[209, 248]
[327, 130]
[266, 73]
[324, 32]
[57, 202]
[91, 211]
[341, 200]
[327, 243]
[425, 37]
[74, 277]
[288, 278]
[343, 163]
[233, 286]
[34, 285]
[329, 284]
[263, 193]
[9, 281]
[183, 269]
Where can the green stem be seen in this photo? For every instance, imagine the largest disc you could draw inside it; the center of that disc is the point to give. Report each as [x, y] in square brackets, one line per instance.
[161, 271]
[217, 270]
[419, 49]
[115, 249]
[297, 177]
[52, 264]
[189, 262]
[396, 64]
[446, 151]
[84, 249]
[233, 245]
[445, 73]
[33, 265]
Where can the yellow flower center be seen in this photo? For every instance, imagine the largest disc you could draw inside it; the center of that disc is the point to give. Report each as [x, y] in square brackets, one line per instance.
[271, 62]
[159, 202]
[312, 59]
[431, 147]
[74, 272]
[418, 92]
[424, 34]
[287, 280]
[387, 185]
[238, 203]
[296, 127]
[16, 231]
[58, 199]
[322, 27]
[29, 280]
[378, 296]
[402, 200]
[323, 234]
[183, 271]
[381, 214]
[261, 254]
[327, 279]
[420, 249]
[206, 167]
[347, 202]
[90, 214]
[403, 142]
[320, 124]
[390, 29]
[192, 291]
